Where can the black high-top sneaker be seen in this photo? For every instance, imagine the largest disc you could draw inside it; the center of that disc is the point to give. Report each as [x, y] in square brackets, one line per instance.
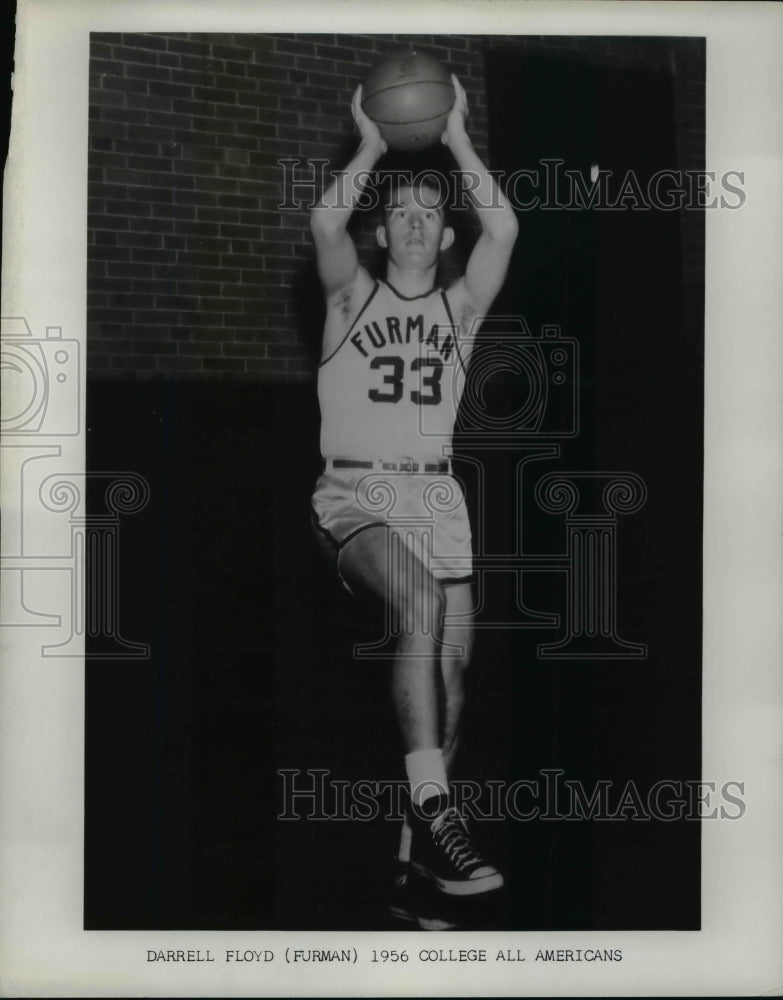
[415, 900]
[443, 851]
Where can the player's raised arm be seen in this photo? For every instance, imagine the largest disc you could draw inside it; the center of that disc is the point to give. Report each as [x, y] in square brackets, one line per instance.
[488, 263]
[336, 257]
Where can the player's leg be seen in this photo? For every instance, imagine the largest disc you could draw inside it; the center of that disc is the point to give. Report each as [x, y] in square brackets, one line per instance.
[458, 632]
[376, 561]
[373, 563]
[465, 872]
[455, 653]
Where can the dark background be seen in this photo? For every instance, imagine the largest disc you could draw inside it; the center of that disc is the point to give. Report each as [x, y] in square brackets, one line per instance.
[7, 33]
[203, 317]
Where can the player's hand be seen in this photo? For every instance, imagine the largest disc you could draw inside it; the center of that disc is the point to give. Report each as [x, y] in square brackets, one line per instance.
[455, 123]
[365, 126]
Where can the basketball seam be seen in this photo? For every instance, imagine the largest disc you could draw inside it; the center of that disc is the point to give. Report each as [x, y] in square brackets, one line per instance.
[418, 121]
[407, 83]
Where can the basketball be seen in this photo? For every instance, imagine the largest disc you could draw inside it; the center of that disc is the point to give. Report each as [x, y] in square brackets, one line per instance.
[409, 95]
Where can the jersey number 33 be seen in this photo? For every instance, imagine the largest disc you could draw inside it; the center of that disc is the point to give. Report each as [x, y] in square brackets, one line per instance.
[426, 373]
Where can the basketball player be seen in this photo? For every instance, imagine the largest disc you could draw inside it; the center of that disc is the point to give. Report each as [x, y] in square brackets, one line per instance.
[388, 386]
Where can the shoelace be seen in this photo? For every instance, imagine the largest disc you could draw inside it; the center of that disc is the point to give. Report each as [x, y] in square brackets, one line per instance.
[451, 832]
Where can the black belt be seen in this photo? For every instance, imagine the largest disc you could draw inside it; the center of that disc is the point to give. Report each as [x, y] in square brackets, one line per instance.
[440, 466]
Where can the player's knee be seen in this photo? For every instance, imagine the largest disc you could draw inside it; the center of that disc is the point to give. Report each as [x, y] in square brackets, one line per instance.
[422, 607]
[437, 596]
[455, 659]
[461, 659]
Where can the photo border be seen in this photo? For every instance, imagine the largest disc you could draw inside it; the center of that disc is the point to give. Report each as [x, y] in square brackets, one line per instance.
[43, 948]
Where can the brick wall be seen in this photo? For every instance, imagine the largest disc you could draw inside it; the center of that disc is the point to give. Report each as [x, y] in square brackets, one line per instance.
[193, 270]
[192, 267]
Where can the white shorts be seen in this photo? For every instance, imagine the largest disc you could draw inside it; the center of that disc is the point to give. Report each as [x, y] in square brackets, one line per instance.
[425, 511]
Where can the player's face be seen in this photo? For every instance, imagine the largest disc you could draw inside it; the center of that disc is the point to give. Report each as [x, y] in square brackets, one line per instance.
[414, 229]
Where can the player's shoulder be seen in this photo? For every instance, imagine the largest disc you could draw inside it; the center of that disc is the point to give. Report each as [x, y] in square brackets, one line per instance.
[350, 297]
[344, 306]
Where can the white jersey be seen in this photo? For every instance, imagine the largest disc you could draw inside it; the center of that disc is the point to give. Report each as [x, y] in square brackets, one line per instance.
[393, 385]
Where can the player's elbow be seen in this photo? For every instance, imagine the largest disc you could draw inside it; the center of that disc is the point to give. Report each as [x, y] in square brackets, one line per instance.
[507, 228]
[323, 224]
[502, 232]
[317, 218]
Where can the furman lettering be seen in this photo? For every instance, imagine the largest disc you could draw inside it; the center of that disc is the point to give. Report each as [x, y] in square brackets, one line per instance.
[317, 955]
[377, 335]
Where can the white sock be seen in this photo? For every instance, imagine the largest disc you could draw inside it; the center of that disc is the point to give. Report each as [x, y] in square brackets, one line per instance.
[426, 772]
